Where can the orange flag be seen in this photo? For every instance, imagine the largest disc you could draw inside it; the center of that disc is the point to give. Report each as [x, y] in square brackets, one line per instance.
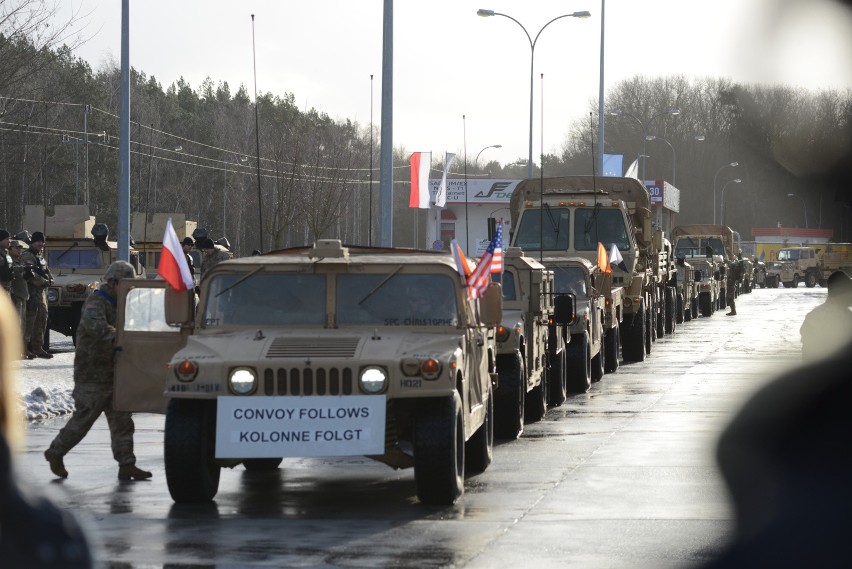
[603, 259]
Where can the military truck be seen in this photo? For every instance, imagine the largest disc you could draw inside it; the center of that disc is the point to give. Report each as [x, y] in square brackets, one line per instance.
[589, 356]
[529, 341]
[706, 270]
[315, 351]
[78, 251]
[813, 265]
[759, 273]
[688, 290]
[773, 274]
[714, 244]
[569, 216]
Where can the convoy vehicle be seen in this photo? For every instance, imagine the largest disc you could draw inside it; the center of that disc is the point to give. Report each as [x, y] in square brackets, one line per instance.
[773, 274]
[570, 216]
[529, 341]
[315, 351]
[687, 291]
[148, 238]
[78, 252]
[710, 249]
[759, 274]
[812, 265]
[588, 352]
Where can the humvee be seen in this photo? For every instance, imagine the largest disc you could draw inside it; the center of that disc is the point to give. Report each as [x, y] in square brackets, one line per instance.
[315, 351]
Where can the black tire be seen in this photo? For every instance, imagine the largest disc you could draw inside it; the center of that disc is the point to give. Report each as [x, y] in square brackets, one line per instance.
[705, 303]
[633, 337]
[509, 397]
[660, 315]
[611, 343]
[579, 363]
[439, 450]
[599, 362]
[795, 282]
[694, 308]
[670, 317]
[189, 450]
[557, 381]
[680, 310]
[262, 464]
[810, 280]
[650, 330]
[479, 449]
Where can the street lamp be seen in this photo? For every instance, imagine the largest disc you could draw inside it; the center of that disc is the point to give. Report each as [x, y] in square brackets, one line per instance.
[722, 206]
[617, 113]
[674, 156]
[731, 165]
[488, 13]
[804, 207]
[476, 161]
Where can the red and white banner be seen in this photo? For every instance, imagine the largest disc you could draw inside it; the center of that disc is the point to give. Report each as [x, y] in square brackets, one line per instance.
[173, 266]
[421, 162]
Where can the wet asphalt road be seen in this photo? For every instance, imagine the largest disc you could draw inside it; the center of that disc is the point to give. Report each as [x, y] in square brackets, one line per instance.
[622, 476]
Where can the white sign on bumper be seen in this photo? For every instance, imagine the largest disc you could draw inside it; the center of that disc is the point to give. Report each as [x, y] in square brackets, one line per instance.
[273, 427]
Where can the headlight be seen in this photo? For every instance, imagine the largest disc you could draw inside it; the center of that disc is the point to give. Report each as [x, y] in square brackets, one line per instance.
[242, 380]
[52, 295]
[373, 379]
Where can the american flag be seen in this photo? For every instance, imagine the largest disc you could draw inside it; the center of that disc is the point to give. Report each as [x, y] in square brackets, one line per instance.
[497, 261]
[480, 278]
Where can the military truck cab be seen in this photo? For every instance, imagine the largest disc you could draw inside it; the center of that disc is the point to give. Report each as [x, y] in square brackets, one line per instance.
[316, 351]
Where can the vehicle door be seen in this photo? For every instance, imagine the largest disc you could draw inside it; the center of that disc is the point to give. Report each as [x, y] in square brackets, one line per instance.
[476, 368]
[145, 344]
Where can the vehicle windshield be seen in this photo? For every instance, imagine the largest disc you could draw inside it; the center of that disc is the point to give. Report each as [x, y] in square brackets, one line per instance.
[396, 299]
[74, 259]
[570, 279]
[276, 299]
[555, 231]
[507, 280]
[698, 247]
[788, 255]
[593, 225]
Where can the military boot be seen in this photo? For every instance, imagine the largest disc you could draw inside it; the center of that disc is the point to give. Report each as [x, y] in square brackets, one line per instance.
[131, 472]
[40, 352]
[57, 465]
[733, 312]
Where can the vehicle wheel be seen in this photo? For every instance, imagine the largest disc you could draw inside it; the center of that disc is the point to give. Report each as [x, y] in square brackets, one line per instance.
[788, 284]
[670, 310]
[687, 313]
[189, 450]
[660, 318]
[557, 381]
[795, 282]
[479, 449]
[680, 311]
[611, 342]
[509, 397]
[705, 304]
[579, 363]
[439, 450]
[535, 400]
[775, 282]
[599, 362]
[810, 280]
[261, 464]
[633, 337]
[650, 330]
[694, 308]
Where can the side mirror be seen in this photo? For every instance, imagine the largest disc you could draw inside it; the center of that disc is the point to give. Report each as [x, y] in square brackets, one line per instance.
[565, 311]
[179, 307]
[491, 305]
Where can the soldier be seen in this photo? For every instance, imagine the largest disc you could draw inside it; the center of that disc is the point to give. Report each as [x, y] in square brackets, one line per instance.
[735, 275]
[187, 244]
[6, 275]
[37, 303]
[93, 381]
[20, 290]
[828, 327]
[213, 254]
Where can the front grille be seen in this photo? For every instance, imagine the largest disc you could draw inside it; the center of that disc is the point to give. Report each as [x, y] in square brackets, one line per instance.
[313, 347]
[308, 381]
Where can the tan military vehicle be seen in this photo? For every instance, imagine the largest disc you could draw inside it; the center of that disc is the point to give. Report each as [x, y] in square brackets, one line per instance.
[773, 274]
[529, 340]
[709, 249]
[813, 265]
[322, 351]
[78, 251]
[148, 238]
[688, 290]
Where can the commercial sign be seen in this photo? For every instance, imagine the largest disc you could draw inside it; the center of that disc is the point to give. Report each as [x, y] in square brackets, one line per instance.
[274, 427]
[478, 191]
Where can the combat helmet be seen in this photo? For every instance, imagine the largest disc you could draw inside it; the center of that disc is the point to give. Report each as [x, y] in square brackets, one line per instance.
[119, 270]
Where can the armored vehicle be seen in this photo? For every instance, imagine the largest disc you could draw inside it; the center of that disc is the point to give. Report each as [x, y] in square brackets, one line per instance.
[572, 216]
[529, 341]
[759, 273]
[709, 249]
[78, 251]
[320, 351]
[687, 291]
[812, 265]
[773, 274]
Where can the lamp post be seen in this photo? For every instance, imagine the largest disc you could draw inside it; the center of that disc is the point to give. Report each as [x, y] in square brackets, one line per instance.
[731, 165]
[617, 113]
[476, 161]
[488, 13]
[674, 156]
[722, 206]
[804, 207]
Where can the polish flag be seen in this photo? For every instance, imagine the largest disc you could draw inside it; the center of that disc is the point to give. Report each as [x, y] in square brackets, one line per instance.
[173, 266]
[421, 162]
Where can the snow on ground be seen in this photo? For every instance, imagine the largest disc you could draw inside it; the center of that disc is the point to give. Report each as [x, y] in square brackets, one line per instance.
[44, 386]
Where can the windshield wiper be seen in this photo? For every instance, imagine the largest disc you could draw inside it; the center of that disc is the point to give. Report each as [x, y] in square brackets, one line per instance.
[553, 224]
[62, 254]
[238, 281]
[592, 218]
[380, 285]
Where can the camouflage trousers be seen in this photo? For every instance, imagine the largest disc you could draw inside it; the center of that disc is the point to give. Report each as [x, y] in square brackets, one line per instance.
[36, 316]
[21, 307]
[90, 400]
[731, 294]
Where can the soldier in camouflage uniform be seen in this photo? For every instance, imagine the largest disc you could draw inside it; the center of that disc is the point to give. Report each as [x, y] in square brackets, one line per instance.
[213, 254]
[20, 290]
[93, 381]
[6, 274]
[735, 275]
[38, 282]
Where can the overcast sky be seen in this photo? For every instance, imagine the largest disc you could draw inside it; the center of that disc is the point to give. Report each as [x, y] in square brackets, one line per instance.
[449, 62]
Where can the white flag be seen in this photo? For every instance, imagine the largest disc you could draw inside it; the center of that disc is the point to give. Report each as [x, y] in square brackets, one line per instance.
[633, 170]
[441, 196]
